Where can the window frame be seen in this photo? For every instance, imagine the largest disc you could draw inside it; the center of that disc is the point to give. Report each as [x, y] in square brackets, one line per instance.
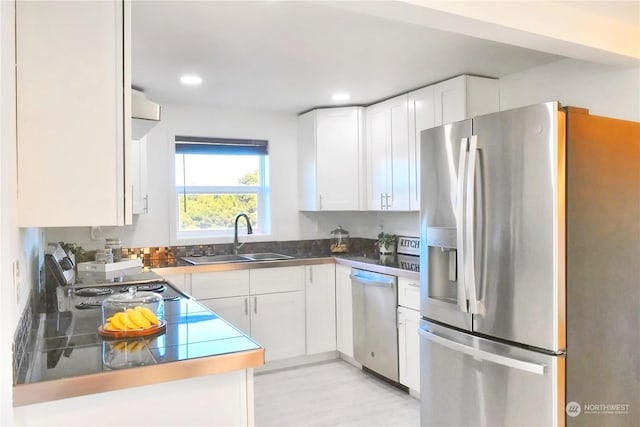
[262, 190]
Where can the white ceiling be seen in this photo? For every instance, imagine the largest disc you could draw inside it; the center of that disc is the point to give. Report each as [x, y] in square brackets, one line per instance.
[291, 56]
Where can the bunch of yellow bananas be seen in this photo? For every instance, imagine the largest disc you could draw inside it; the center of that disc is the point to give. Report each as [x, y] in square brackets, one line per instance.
[129, 346]
[133, 318]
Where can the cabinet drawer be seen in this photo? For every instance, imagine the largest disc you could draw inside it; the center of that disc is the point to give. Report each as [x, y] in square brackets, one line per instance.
[220, 284]
[279, 279]
[409, 293]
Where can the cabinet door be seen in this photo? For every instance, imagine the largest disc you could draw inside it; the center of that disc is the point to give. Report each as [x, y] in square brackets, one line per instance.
[450, 100]
[234, 310]
[321, 308]
[73, 114]
[277, 324]
[388, 155]
[329, 159]
[219, 284]
[337, 155]
[378, 154]
[344, 310]
[399, 133]
[409, 347]
[140, 193]
[421, 117]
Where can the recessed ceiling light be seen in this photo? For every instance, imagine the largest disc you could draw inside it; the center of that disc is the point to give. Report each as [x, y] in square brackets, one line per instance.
[340, 96]
[190, 79]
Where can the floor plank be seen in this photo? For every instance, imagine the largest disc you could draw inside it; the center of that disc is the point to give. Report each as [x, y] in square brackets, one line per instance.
[332, 393]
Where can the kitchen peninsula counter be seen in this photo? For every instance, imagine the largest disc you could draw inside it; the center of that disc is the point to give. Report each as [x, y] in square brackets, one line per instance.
[73, 367]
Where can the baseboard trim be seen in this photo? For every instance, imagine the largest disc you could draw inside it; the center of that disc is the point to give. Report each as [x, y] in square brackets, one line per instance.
[276, 365]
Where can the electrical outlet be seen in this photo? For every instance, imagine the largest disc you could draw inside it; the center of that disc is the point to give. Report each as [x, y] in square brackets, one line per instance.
[96, 233]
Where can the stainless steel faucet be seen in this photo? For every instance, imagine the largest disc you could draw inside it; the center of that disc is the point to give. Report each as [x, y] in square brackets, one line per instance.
[237, 245]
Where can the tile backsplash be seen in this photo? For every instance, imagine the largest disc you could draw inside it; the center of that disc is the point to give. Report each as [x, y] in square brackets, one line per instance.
[21, 342]
[167, 255]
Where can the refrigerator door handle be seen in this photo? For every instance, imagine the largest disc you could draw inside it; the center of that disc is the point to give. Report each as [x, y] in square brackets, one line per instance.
[460, 232]
[469, 217]
[509, 362]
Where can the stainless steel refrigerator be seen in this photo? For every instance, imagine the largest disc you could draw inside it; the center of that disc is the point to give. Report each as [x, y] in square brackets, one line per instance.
[530, 270]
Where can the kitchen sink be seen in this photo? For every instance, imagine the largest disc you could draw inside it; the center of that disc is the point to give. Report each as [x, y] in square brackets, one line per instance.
[222, 259]
[267, 256]
[215, 259]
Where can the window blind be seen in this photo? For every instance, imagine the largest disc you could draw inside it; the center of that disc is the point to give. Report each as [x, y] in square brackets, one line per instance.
[230, 146]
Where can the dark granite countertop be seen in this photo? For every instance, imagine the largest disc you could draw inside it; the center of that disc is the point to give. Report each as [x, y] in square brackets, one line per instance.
[398, 265]
[67, 346]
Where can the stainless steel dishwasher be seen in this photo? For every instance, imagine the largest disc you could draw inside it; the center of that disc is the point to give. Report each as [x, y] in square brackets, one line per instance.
[375, 330]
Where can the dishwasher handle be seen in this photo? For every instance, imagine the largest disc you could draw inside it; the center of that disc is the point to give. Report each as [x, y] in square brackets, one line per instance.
[378, 281]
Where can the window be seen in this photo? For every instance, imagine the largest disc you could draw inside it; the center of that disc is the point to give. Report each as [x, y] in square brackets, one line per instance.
[217, 178]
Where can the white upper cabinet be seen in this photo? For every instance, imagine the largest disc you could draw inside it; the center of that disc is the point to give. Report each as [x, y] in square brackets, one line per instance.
[387, 155]
[329, 159]
[421, 116]
[464, 97]
[450, 101]
[73, 113]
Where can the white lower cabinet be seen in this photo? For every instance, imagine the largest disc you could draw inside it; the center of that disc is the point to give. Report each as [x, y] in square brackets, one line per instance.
[321, 308]
[277, 324]
[409, 347]
[408, 335]
[344, 311]
[267, 304]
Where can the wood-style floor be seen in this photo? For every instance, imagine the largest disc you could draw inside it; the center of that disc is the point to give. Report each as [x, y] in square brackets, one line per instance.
[332, 393]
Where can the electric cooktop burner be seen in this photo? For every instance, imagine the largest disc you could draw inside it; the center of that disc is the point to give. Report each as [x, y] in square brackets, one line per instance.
[96, 303]
[93, 292]
[151, 287]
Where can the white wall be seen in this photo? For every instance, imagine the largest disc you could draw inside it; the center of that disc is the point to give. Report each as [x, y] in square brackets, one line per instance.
[21, 246]
[604, 90]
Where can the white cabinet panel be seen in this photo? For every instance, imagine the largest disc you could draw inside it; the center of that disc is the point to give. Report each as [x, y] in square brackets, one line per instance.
[344, 310]
[139, 184]
[321, 308]
[234, 310]
[73, 113]
[409, 293]
[181, 281]
[329, 159]
[219, 284]
[276, 279]
[277, 323]
[409, 347]
[464, 97]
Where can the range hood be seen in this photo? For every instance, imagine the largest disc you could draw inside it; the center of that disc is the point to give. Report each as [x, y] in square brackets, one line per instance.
[145, 114]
